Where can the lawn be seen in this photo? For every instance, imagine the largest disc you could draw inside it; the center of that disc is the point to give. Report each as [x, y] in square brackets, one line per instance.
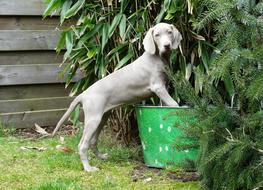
[22, 168]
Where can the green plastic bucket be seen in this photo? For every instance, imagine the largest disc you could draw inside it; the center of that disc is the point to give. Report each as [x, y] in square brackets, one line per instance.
[160, 131]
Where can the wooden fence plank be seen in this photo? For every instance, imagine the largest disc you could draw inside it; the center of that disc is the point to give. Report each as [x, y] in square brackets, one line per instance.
[31, 74]
[29, 118]
[31, 23]
[22, 7]
[33, 91]
[7, 106]
[30, 57]
[12, 40]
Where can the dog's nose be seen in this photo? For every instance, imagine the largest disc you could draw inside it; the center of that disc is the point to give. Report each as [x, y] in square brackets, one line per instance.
[167, 46]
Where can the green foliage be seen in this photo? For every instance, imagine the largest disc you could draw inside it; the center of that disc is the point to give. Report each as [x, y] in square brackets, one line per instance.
[107, 35]
[195, 49]
[230, 143]
[238, 35]
[229, 109]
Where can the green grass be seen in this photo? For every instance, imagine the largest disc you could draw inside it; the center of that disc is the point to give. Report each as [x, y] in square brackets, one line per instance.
[54, 170]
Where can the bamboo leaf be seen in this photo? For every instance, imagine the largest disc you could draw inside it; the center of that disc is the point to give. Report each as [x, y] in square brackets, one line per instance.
[91, 33]
[160, 15]
[122, 27]
[75, 115]
[124, 4]
[65, 8]
[124, 61]
[63, 72]
[69, 44]
[199, 49]
[52, 6]
[87, 24]
[74, 9]
[76, 88]
[116, 49]
[76, 32]
[115, 23]
[188, 71]
[62, 41]
[91, 53]
[69, 40]
[105, 35]
[167, 4]
[102, 69]
[197, 36]
[205, 60]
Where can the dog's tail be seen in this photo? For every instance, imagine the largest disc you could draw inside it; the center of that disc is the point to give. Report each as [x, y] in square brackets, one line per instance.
[72, 106]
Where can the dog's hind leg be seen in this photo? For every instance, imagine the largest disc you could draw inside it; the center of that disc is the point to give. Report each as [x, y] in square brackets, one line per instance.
[94, 140]
[91, 125]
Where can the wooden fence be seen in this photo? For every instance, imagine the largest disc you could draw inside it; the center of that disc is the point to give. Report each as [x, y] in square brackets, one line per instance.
[30, 89]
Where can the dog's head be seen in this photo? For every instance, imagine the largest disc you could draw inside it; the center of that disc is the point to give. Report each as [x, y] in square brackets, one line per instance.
[162, 38]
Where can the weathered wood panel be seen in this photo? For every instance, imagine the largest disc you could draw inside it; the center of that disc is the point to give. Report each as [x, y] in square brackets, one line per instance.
[33, 91]
[29, 118]
[8, 106]
[12, 40]
[30, 57]
[31, 74]
[31, 23]
[22, 7]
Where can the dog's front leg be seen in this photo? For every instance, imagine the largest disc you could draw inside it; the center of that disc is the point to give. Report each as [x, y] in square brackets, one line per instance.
[162, 93]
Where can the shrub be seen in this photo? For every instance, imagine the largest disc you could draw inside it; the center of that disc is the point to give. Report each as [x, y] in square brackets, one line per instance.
[230, 106]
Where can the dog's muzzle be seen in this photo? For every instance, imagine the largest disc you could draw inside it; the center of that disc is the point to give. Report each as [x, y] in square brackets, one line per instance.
[167, 47]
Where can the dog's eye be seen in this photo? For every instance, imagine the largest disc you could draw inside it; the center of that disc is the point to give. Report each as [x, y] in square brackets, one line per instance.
[157, 35]
[170, 32]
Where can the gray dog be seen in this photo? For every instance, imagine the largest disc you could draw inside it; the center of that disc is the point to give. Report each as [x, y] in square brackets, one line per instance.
[133, 83]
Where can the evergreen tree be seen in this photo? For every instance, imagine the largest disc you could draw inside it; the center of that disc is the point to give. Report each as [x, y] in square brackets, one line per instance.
[230, 137]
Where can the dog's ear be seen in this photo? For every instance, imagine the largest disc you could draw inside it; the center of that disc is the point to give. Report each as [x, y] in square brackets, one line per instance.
[177, 37]
[148, 42]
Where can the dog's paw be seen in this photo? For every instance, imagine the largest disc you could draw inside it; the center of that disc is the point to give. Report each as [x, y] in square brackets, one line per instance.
[91, 169]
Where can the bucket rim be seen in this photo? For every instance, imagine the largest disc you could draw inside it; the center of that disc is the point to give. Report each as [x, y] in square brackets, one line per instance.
[162, 107]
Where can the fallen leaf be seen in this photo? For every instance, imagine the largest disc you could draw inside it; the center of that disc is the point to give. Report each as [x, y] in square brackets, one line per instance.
[64, 149]
[41, 131]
